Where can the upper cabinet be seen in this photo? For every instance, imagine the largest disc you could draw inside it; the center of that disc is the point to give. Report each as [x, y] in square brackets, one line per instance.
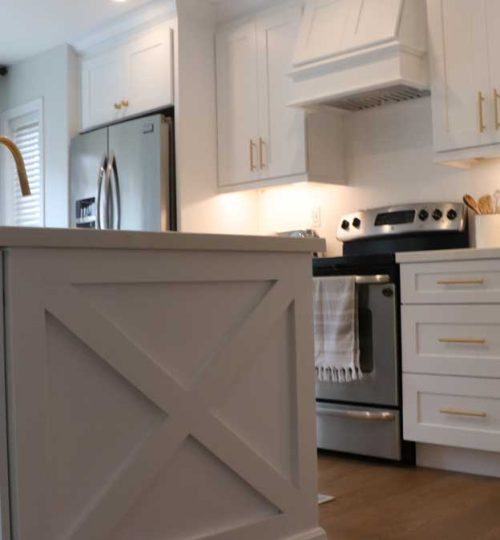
[261, 140]
[128, 78]
[463, 42]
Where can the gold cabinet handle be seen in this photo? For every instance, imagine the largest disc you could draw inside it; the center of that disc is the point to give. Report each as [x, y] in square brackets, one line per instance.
[480, 103]
[496, 96]
[262, 148]
[465, 341]
[459, 412]
[253, 167]
[117, 106]
[125, 103]
[478, 281]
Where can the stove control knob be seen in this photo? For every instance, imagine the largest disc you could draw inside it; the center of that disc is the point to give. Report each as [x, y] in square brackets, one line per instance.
[437, 214]
[452, 214]
[423, 215]
[356, 222]
[345, 225]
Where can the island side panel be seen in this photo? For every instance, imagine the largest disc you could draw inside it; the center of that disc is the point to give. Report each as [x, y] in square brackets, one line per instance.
[160, 394]
[5, 531]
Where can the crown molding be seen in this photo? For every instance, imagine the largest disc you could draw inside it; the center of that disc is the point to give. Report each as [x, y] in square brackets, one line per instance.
[135, 20]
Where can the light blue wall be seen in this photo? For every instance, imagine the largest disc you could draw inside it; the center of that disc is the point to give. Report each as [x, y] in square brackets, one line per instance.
[51, 76]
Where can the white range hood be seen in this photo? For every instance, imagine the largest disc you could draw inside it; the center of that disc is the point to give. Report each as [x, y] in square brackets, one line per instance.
[356, 54]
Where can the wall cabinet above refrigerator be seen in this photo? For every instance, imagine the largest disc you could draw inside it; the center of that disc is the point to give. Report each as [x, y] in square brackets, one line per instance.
[261, 140]
[463, 43]
[133, 75]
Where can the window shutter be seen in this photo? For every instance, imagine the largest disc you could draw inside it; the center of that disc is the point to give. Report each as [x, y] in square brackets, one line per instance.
[26, 132]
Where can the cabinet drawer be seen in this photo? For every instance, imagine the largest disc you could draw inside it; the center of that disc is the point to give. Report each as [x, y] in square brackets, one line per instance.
[452, 411]
[476, 282]
[451, 340]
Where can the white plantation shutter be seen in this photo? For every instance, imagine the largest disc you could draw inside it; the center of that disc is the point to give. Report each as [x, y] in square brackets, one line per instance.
[24, 127]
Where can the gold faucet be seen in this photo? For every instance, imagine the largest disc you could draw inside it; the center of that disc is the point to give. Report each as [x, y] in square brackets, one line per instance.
[21, 168]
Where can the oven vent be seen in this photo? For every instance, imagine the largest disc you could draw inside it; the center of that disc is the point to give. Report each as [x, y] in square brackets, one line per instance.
[345, 50]
[377, 98]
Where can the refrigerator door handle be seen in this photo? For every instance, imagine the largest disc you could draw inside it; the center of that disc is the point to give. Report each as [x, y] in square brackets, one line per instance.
[113, 203]
[101, 182]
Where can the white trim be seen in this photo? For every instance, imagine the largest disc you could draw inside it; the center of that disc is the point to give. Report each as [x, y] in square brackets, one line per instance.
[119, 30]
[35, 106]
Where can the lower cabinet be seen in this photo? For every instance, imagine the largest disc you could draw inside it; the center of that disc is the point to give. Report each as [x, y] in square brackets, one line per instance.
[451, 353]
[452, 411]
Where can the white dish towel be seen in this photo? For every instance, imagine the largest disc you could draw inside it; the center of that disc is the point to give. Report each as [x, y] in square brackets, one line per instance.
[336, 340]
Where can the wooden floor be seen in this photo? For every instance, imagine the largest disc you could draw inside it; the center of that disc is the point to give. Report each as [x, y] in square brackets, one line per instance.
[377, 501]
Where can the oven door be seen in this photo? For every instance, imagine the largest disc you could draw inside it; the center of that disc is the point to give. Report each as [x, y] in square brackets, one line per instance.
[378, 340]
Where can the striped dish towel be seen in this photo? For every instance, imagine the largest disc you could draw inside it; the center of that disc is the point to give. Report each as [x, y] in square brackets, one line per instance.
[336, 340]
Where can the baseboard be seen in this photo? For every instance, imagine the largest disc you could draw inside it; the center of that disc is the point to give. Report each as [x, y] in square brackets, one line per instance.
[461, 460]
[312, 534]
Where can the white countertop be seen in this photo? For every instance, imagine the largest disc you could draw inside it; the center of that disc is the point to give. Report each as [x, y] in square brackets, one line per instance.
[92, 239]
[467, 254]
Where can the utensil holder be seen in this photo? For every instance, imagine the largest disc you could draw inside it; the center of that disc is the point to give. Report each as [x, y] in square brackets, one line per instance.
[485, 231]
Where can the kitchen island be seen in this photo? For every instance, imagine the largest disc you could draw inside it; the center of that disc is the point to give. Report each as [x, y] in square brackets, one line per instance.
[159, 386]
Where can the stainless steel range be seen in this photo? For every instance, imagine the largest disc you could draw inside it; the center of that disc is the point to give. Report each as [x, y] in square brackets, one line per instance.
[364, 417]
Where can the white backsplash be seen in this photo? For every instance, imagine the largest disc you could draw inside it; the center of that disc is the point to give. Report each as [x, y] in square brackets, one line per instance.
[390, 160]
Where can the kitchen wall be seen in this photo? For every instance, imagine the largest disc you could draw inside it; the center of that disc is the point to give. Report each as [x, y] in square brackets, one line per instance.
[389, 161]
[53, 76]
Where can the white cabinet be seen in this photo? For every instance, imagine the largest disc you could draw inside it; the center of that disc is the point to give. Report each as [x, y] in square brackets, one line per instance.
[463, 43]
[238, 118]
[451, 353]
[261, 140]
[129, 78]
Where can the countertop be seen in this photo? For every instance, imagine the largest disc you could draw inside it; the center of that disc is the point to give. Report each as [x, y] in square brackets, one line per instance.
[442, 255]
[92, 239]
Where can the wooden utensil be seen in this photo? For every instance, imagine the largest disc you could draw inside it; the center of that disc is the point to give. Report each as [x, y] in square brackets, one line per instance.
[471, 203]
[485, 204]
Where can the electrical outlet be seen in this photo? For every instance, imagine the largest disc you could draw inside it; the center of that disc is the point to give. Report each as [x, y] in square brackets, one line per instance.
[316, 217]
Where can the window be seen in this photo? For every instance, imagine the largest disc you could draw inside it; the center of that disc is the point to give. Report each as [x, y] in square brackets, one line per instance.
[24, 125]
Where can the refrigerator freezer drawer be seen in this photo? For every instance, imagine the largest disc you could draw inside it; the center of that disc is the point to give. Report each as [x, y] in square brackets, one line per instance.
[359, 430]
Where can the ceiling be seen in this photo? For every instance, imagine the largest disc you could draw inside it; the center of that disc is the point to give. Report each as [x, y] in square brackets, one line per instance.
[28, 27]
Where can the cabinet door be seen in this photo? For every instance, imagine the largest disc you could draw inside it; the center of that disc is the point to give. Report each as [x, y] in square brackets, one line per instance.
[103, 81]
[282, 129]
[493, 22]
[458, 51]
[237, 105]
[150, 71]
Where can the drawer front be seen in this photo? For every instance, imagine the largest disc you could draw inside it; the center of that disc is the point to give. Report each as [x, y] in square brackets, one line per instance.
[453, 340]
[464, 282]
[359, 430]
[452, 411]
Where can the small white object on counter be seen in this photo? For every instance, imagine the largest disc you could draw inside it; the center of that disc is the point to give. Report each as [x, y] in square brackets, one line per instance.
[485, 231]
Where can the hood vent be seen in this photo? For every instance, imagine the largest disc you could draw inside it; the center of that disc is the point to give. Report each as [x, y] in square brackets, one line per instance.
[358, 54]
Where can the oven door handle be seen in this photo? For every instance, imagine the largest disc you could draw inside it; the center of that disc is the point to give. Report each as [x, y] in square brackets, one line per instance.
[371, 416]
[368, 280]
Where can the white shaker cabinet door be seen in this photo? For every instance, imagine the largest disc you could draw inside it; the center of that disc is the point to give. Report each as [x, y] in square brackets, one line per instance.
[103, 80]
[282, 146]
[493, 22]
[237, 105]
[458, 50]
[150, 71]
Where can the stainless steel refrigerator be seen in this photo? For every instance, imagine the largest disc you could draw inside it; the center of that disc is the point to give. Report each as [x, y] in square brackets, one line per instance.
[122, 177]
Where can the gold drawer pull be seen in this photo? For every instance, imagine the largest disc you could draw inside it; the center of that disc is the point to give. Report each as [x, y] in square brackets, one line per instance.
[458, 412]
[253, 167]
[461, 282]
[262, 148]
[463, 340]
[480, 103]
[496, 96]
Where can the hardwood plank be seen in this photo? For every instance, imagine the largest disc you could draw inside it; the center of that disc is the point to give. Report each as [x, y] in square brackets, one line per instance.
[378, 501]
